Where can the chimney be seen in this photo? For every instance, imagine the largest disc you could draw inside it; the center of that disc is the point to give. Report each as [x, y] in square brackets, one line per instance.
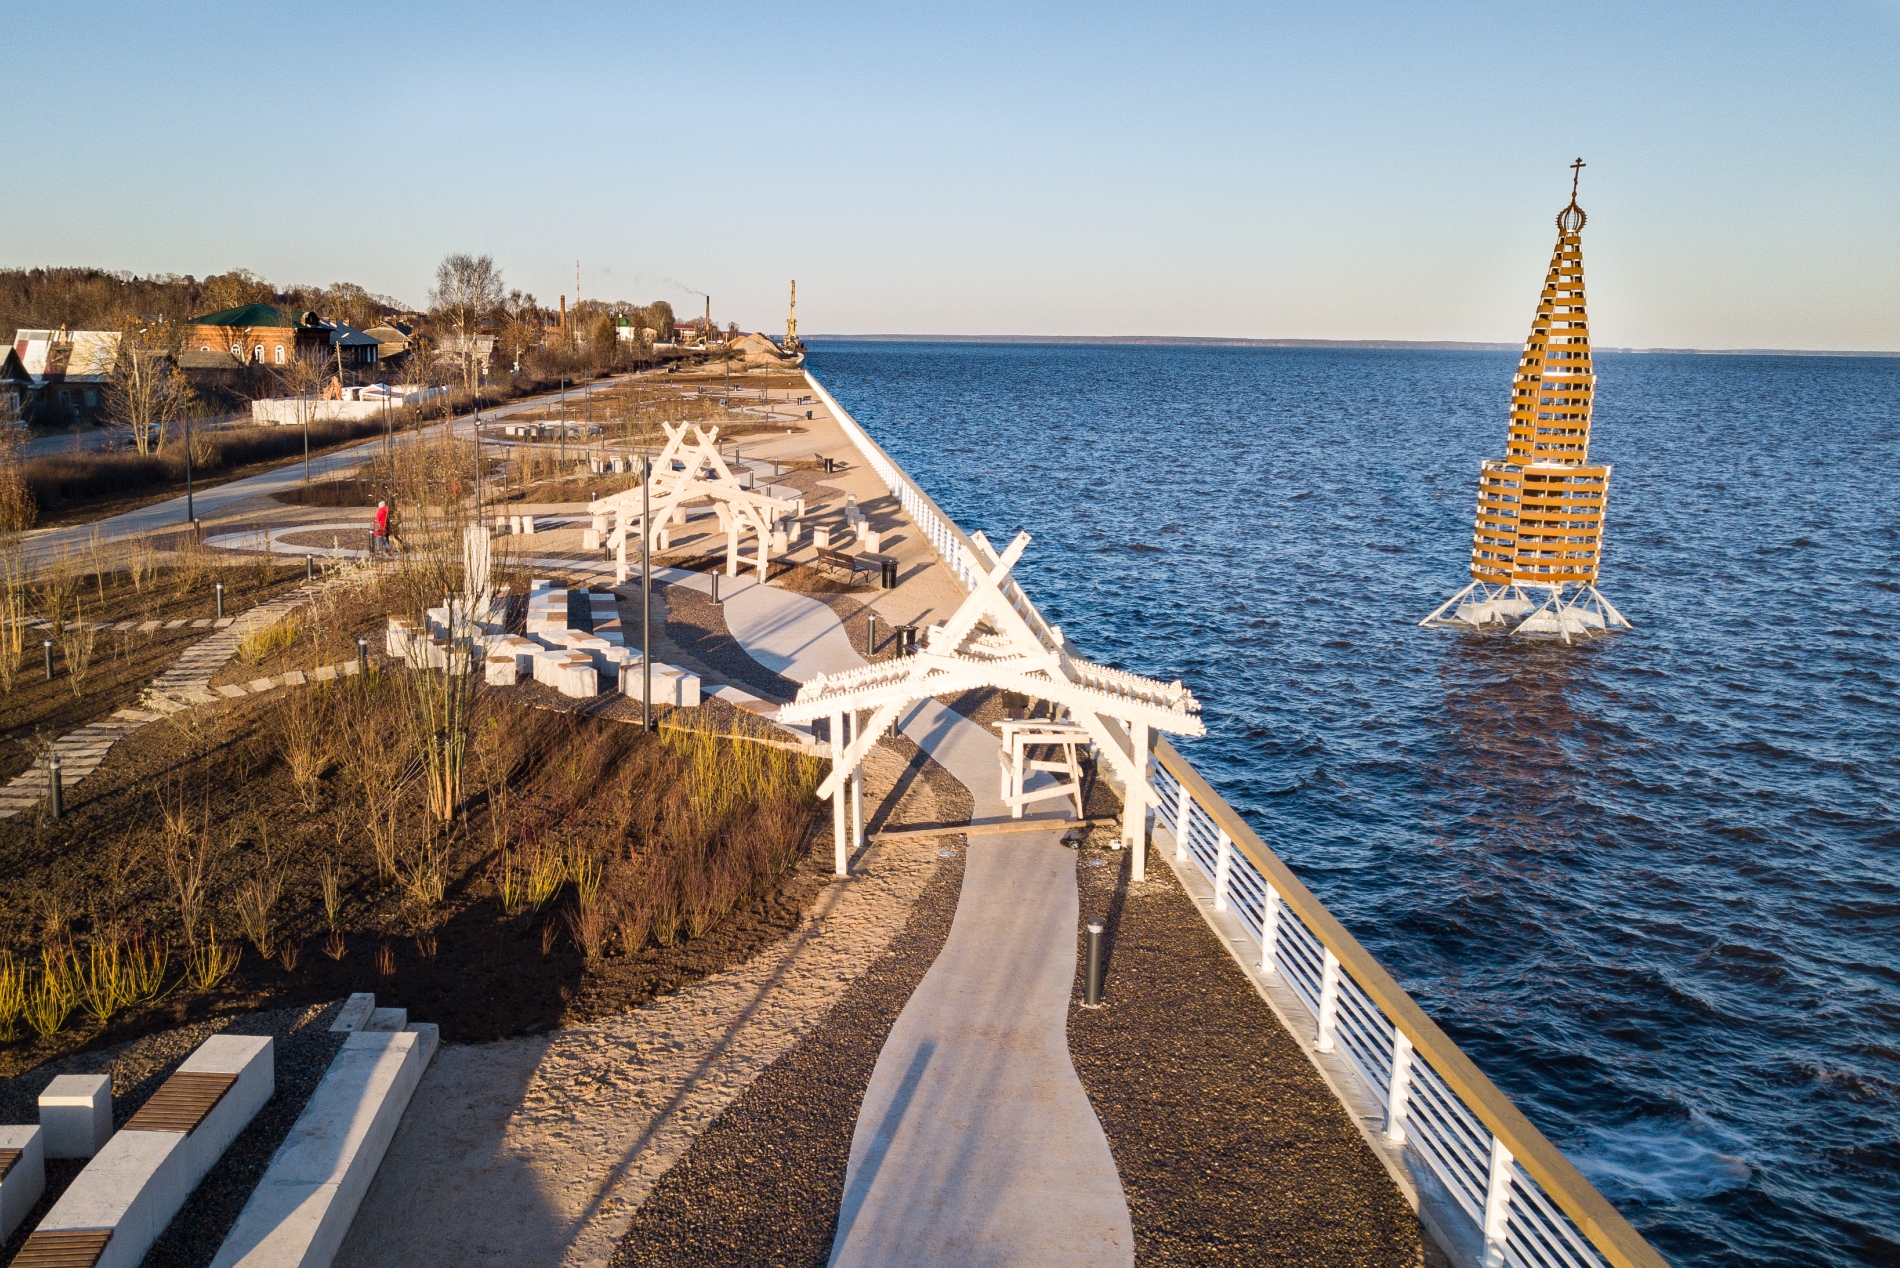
[563, 312]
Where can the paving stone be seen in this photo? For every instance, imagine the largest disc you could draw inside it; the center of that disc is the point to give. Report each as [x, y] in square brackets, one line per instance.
[262, 684]
[323, 673]
[146, 627]
[232, 690]
[201, 622]
[294, 678]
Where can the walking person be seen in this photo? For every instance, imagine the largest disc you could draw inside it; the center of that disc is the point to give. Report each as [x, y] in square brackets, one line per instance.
[379, 535]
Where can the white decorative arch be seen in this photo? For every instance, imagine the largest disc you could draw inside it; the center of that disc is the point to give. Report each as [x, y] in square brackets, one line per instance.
[992, 641]
[690, 468]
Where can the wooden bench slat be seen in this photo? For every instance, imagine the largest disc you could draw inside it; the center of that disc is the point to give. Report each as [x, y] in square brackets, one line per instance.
[8, 1157]
[63, 1248]
[182, 1102]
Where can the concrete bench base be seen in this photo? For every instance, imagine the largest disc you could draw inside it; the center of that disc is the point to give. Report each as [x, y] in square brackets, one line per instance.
[140, 1178]
[302, 1209]
[25, 1178]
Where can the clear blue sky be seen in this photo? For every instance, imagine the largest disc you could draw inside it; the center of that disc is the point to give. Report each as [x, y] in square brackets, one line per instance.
[1262, 170]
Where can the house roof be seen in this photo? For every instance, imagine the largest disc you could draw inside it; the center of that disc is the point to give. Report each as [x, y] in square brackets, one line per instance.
[208, 359]
[71, 356]
[253, 316]
[350, 337]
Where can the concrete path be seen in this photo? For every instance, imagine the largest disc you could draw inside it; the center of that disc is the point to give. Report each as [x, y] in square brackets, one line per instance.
[976, 1143]
[44, 544]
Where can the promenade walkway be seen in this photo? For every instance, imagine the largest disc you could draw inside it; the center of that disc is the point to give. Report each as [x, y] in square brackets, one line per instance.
[976, 1142]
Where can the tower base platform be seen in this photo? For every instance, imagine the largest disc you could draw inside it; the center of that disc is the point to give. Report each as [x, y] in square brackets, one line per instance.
[1567, 612]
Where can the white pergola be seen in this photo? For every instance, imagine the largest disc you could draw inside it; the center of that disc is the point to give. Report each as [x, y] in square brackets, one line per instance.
[691, 468]
[997, 639]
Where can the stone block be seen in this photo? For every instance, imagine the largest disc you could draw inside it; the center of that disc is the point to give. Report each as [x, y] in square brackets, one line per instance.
[25, 1181]
[253, 1059]
[821, 537]
[387, 1019]
[590, 539]
[302, 1208]
[355, 1011]
[76, 1115]
[527, 525]
[500, 671]
[133, 1187]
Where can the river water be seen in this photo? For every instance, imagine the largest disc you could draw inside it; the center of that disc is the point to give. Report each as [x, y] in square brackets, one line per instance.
[1651, 884]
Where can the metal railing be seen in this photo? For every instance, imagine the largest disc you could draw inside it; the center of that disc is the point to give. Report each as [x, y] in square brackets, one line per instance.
[1531, 1207]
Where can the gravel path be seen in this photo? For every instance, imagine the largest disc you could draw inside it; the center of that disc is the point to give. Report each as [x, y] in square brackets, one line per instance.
[763, 1184]
[304, 1050]
[1230, 1146]
[537, 1151]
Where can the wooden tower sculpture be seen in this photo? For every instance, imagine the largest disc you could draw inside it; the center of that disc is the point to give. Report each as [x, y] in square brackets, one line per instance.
[1537, 542]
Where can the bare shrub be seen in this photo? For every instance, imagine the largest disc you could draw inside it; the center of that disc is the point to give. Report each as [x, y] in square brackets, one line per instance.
[13, 995]
[262, 644]
[207, 963]
[305, 740]
[256, 902]
[76, 638]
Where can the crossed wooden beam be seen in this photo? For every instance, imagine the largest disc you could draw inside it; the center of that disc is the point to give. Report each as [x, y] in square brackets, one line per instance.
[740, 510]
[992, 640]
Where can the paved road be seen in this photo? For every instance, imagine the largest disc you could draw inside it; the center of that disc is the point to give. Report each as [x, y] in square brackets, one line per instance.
[44, 544]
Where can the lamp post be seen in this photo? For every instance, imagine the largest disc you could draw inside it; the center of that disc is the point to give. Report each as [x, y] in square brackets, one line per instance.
[189, 516]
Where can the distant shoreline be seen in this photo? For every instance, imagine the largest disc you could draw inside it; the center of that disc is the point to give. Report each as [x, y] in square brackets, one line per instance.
[1427, 345]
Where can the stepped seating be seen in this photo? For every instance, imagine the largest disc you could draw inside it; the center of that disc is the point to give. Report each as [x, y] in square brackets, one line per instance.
[302, 1208]
[22, 1174]
[116, 1208]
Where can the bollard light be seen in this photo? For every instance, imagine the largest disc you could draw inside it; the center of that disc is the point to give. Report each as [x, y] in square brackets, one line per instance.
[309, 568]
[46, 645]
[870, 634]
[219, 589]
[1092, 986]
[362, 655]
[55, 793]
[715, 577]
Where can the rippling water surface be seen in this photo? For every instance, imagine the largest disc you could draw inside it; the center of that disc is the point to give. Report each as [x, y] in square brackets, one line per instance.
[1649, 884]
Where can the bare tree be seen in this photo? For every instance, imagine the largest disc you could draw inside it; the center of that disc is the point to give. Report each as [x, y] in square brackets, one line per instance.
[467, 289]
[522, 327]
[147, 391]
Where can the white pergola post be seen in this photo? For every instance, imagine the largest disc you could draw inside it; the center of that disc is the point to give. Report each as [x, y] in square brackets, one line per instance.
[857, 793]
[841, 848]
[1135, 804]
[1183, 810]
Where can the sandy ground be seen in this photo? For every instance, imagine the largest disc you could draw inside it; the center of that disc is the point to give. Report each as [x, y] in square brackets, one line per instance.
[538, 1151]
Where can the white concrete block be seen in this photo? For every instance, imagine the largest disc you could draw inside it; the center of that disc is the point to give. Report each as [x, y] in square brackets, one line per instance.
[355, 1011]
[134, 1187]
[500, 671]
[388, 1019]
[527, 525]
[25, 1181]
[252, 1059]
[590, 539]
[821, 537]
[76, 1113]
[301, 1210]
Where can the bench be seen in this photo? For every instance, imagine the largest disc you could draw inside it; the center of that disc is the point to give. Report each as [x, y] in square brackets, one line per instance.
[846, 562]
[22, 1175]
[301, 1210]
[116, 1208]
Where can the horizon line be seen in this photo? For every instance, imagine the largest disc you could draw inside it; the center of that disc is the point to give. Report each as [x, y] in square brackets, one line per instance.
[1435, 345]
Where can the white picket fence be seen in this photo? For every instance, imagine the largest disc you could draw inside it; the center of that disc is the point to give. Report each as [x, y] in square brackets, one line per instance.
[1438, 1106]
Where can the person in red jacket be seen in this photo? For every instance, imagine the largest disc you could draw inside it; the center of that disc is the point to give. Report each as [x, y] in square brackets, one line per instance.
[379, 536]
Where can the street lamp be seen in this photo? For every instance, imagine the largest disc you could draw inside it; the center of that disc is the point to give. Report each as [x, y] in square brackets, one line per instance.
[646, 598]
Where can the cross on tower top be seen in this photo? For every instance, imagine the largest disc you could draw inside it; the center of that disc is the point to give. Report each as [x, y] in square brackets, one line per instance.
[1576, 170]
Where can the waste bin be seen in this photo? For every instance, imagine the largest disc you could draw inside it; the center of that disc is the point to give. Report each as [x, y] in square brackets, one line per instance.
[887, 575]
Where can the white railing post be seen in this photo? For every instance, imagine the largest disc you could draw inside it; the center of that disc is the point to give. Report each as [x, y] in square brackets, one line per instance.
[1328, 1002]
[1223, 870]
[1183, 808]
[1497, 1206]
[1398, 1092]
[1270, 933]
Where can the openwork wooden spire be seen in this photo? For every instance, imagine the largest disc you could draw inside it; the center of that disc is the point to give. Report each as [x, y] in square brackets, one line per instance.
[1538, 539]
[1540, 510]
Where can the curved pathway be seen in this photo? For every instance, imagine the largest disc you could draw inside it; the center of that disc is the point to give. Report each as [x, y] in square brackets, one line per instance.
[975, 1143]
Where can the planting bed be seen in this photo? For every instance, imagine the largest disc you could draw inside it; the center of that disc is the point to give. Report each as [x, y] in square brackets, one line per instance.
[668, 856]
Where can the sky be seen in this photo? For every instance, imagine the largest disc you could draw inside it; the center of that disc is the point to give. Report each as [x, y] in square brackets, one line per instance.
[1336, 171]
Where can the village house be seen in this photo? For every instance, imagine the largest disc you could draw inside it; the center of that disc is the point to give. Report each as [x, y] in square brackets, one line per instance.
[67, 372]
[261, 334]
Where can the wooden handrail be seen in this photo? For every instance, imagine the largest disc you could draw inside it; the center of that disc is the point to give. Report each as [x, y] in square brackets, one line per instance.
[1595, 1218]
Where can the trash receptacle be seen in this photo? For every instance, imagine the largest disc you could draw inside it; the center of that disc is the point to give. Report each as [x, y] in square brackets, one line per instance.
[888, 573]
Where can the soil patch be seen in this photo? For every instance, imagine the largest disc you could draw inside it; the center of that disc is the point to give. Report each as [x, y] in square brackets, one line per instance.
[763, 1183]
[1230, 1146]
